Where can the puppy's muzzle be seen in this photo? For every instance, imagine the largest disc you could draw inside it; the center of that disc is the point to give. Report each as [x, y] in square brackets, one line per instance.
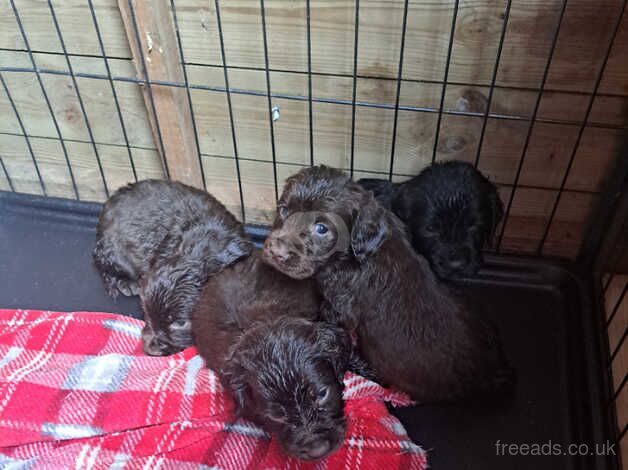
[153, 345]
[278, 250]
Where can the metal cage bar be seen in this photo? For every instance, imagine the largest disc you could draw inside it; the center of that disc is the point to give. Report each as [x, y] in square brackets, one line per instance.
[620, 299]
[79, 97]
[622, 433]
[441, 106]
[187, 90]
[149, 89]
[238, 91]
[489, 100]
[621, 342]
[308, 19]
[46, 99]
[398, 91]
[230, 107]
[583, 126]
[25, 134]
[116, 101]
[339, 74]
[6, 175]
[354, 90]
[619, 389]
[533, 121]
[270, 102]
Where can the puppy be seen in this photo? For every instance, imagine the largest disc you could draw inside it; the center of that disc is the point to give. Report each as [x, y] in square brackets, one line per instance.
[451, 211]
[162, 240]
[414, 330]
[255, 327]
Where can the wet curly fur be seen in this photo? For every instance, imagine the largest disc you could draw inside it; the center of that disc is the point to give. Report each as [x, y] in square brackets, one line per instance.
[257, 328]
[162, 240]
[451, 211]
[415, 331]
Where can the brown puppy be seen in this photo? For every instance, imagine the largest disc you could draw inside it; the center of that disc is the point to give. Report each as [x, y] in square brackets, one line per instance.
[255, 327]
[162, 240]
[415, 332]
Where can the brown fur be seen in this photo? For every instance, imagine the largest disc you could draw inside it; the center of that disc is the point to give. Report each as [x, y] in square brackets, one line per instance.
[256, 328]
[415, 331]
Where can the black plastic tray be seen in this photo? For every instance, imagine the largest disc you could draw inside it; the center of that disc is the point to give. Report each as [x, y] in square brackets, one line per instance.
[545, 313]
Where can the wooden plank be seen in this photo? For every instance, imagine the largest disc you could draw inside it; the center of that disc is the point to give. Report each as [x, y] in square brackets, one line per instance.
[170, 118]
[415, 142]
[611, 299]
[574, 214]
[96, 94]
[529, 215]
[52, 164]
[479, 25]
[75, 22]
[624, 443]
[581, 45]
[620, 364]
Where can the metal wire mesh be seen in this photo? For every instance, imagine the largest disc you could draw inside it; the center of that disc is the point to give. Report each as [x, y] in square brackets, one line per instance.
[310, 98]
[144, 80]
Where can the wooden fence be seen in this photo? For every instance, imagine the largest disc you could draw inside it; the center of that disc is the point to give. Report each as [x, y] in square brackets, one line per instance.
[340, 95]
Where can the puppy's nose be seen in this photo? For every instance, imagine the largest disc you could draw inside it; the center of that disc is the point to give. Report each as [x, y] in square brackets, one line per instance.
[318, 449]
[456, 263]
[155, 347]
[278, 249]
[457, 259]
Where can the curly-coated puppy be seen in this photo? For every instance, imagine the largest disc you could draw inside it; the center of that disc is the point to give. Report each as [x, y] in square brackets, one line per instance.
[451, 211]
[162, 240]
[255, 327]
[415, 331]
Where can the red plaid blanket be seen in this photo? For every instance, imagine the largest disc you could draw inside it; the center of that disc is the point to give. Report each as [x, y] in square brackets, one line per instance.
[77, 391]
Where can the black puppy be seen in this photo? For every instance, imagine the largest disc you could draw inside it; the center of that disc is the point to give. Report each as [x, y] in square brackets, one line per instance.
[256, 328]
[162, 240]
[451, 211]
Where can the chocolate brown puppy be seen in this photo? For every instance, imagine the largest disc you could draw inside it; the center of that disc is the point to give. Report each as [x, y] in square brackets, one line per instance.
[161, 240]
[256, 328]
[415, 331]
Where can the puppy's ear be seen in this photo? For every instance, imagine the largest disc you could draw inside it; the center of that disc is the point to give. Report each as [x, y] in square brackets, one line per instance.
[369, 231]
[335, 345]
[235, 248]
[233, 378]
[238, 247]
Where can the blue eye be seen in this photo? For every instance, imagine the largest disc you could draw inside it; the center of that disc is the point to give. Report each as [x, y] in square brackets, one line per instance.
[320, 229]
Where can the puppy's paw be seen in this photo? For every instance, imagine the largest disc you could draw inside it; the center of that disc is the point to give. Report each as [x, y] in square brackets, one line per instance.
[128, 288]
[359, 365]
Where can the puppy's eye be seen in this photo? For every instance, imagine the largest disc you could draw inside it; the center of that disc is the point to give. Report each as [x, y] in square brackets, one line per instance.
[180, 323]
[321, 229]
[322, 395]
[283, 211]
[431, 228]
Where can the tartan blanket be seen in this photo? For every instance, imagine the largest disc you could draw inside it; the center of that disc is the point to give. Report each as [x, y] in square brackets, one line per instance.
[76, 391]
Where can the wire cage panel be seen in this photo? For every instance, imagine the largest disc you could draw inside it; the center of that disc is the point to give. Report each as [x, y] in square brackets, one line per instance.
[616, 306]
[534, 93]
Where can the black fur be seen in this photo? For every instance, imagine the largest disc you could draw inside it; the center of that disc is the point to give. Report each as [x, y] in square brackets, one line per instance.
[162, 240]
[451, 211]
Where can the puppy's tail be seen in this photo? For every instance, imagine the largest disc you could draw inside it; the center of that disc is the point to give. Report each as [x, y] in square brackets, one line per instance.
[384, 191]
